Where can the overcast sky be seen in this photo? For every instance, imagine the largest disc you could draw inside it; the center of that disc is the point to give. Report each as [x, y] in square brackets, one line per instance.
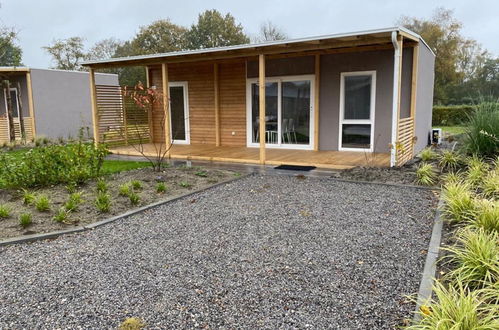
[40, 22]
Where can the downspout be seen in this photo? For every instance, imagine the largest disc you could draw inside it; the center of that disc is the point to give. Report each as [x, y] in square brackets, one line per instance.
[396, 75]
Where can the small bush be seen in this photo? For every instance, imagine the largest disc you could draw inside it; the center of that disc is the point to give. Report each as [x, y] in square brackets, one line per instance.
[4, 211]
[490, 184]
[476, 258]
[160, 187]
[482, 131]
[185, 184]
[428, 154]
[477, 170]
[426, 174]
[28, 197]
[487, 217]
[124, 190]
[455, 308]
[202, 174]
[136, 184]
[452, 177]
[61, 215]
[101, 186]
[132, 323]
[134, 198]
[42, 203]
[73, 202]
[451, 115]
[103, 202]
[450, 160]
[459, 205]
[25, 219]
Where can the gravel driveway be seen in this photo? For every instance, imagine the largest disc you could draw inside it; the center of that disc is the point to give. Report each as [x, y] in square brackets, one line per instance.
[261, 252]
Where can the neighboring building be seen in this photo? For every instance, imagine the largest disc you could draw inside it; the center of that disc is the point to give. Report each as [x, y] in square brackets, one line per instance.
[54, 103]
[336, 101]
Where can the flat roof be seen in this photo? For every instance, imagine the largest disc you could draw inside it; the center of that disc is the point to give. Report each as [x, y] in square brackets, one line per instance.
[28, 69]
[237, 50]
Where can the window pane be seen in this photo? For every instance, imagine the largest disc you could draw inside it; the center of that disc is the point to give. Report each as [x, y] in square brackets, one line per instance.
[356, 136]
[177, 113]
[357, 97]
[295, 125]
[13, 96]
[270, 112]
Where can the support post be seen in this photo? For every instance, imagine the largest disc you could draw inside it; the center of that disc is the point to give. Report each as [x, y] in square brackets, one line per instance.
[95, 115]
[414, 89]
[125, 122]
[316, 100]
[397, 74]
[31, 104]
[261, 113]
[166, 105]
[217, 104]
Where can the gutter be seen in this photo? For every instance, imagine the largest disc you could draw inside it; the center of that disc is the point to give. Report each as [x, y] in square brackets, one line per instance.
[396, 76]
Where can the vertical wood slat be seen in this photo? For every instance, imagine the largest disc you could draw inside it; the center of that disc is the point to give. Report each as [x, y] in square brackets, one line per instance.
[261, 87]
[414, 87]
[216, 87]
[31, 103]
[406, 140]
[316, 100]
[166, 124]
[93, 97]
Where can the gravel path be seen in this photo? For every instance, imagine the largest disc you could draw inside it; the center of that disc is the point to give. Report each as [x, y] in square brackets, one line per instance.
[261, 252]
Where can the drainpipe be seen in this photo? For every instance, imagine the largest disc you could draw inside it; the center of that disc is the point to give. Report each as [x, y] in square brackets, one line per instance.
[396, 75]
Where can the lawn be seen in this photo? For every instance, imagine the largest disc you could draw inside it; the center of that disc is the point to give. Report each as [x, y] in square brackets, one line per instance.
[452, 130]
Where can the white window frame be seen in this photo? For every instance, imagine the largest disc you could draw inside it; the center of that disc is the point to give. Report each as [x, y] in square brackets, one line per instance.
[279, 80]
[369, 121]
[17, 101]
[185, 85]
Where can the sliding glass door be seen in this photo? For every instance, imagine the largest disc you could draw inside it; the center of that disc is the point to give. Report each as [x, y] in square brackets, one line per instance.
[357, 111]
[288, 112]
[179, 113]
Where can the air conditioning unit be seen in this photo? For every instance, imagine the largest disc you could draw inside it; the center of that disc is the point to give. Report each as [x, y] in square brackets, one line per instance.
[436, 135]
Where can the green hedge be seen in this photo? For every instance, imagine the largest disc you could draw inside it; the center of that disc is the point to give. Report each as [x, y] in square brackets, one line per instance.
[451, 115]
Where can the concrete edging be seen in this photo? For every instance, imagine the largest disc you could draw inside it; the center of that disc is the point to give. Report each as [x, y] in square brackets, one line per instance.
[55, 234]
[430, 266]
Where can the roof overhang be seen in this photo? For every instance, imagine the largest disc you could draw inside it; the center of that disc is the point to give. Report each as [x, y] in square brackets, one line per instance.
[368, 38]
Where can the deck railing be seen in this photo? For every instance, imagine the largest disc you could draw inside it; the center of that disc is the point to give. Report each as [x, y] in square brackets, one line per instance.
[120, 120]
[4, 129]
[405, 142]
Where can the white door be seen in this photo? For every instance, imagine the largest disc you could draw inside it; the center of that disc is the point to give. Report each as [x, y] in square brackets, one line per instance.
[179, 113]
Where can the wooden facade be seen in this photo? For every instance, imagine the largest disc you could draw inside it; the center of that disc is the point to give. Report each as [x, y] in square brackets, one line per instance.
[217, 104]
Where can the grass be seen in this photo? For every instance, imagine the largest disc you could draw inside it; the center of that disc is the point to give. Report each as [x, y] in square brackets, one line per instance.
[134, 198]
[482, 131]
[459, 201]
[427, 154]
[161, 187]
[42, 203]
[101, 186]
[73, 201]
[450, 160]
[103, 202]
[452, 130]
[61, 215]
[185, 184]
[426, 174]
[28, 197]
[132, 323]
[25, 220]
[487, 217]
[4, 211]
[124, 190]
[136, 184]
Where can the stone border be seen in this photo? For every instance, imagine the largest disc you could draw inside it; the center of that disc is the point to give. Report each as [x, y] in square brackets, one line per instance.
[430, 267]
[55, 234]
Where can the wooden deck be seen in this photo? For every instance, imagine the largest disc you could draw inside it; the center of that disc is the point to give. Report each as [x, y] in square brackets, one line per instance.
[320, 159]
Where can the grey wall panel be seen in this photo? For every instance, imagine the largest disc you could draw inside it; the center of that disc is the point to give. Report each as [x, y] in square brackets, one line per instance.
[424, 96]
[62, 101]
[283, 67]
[332, 65]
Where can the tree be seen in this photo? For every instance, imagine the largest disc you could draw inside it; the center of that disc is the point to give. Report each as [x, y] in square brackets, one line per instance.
[270, 32]
[456, 57]
[215, 30]
[161, 36]
[10, 53]
[104, 49]
[67, 53]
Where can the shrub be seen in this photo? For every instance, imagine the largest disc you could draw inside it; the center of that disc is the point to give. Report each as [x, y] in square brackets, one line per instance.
[136, 184]
[28, 197]
[52, 164]
[134, 198]
[61, 215]
[25, 219]
[73, 201]
[452, 177]
[449, 160]
[124, 190]
[185, 184]
[160, 187]
[4, 211]
[42, 203]
[477, 170]
[490, 184]
[428, 154]
[103, 202]
[102, 186]
[482, 130]
[487, 216]
[456, 308]
[426, 174]
[132, 323]
[459, 204]
[476, 257]
[451, 115]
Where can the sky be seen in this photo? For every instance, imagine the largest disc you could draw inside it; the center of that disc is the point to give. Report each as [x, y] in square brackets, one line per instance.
[40, 22]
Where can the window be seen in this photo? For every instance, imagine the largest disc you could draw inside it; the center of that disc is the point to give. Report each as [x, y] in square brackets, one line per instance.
[357, 110]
